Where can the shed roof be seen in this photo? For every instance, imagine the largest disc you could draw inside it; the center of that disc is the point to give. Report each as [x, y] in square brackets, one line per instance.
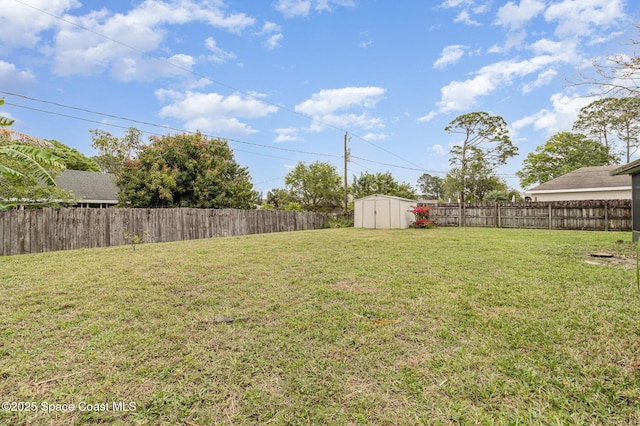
[586, 178]
[92, 187]
[386, 196]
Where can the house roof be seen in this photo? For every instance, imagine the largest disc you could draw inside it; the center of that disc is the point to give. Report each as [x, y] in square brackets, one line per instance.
[90, 187]
[586, 179]
[632, 168]
[380, 196]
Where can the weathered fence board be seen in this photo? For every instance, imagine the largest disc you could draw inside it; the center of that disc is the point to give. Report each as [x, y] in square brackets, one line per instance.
[37, 231]
[597, 215]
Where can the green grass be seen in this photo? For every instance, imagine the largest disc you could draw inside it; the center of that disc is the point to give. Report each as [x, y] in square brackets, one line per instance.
[338, 326]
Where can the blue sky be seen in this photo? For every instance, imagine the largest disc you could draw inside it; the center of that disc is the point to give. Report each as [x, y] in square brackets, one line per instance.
[284, 80]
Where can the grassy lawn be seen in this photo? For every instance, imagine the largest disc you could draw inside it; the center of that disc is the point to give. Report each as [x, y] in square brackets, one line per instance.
[340, 326]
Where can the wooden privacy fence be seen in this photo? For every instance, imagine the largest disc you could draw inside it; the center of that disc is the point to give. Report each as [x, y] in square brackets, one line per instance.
[595, 215]
[37, 231]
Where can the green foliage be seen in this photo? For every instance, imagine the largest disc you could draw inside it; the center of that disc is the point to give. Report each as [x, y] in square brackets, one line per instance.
[279, 198]
[561, 154]
[72, 158]
[114, 151]
[486, 145]
[497, 195]
[135, 239]
[186, 170]
[422, 221]
[610, 118]
[471, 326]
[26, 174]
[294, 206]
[317, 187]
[338, 221]
[476, 183]
[4, 121]
[431, 187]
[380, 183]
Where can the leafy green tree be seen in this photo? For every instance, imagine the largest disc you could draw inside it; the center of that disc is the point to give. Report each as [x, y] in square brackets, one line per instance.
[431, 187]
[508, 195]
[380, 183]
[479, 181]
[561, 154]
[186, 170]
[627, 124]
[610, 118]
[485, 146]
[595, 120]
[71, 157]
[114, 151]
[279, 198]
[4, 121]
[27, 172]
[317, 187]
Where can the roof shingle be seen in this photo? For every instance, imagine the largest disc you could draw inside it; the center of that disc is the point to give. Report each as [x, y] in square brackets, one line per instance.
[586, 177]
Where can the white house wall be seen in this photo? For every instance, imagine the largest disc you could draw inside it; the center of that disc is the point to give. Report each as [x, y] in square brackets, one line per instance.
[618, 194]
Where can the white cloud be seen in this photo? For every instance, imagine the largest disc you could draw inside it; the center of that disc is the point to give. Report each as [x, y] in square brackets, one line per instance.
[516, 16]
[296, 8]
[147, 69]
[579, 18]
[455, 3]
[287, 134]
[465, 18]
[543, 79]
[331, 100]
[273, 34]
[460, 95]
[450, 55]
[212, 112]
[375, 136]
[21, 25]
[428, 117]
[125, 38]
[438, 149]
[13, 77]
[333, 107]
[559, 119]
[219, 55]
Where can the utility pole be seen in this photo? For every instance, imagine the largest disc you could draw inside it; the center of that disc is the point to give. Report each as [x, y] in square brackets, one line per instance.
[346, 159]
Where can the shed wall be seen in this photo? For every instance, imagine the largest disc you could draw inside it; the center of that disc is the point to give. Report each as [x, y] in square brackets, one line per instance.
[382, 212]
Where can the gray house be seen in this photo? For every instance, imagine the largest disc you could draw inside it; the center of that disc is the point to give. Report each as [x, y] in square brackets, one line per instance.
[586, 183]
[92, 189]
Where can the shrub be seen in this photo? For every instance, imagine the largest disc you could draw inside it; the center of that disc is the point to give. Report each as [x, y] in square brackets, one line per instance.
[422, 218]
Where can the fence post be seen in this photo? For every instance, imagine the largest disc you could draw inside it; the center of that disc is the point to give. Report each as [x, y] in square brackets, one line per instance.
[550, 216]
[606, 215]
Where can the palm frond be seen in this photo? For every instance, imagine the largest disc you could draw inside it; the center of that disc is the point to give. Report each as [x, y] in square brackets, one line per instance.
[34, 160]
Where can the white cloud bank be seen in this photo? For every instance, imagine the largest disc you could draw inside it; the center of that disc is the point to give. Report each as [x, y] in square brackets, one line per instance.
[212, 112]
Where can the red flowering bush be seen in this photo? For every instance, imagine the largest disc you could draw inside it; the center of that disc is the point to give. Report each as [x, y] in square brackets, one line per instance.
[422, 218]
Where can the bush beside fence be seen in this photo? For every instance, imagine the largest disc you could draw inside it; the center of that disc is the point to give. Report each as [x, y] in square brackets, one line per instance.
[596, 215]
[37, 231]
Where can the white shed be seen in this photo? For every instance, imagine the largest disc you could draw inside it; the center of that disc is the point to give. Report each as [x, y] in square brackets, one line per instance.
[383, 212]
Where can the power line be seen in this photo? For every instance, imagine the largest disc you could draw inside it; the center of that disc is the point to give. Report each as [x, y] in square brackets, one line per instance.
[190, 71]
[148, 124]
[397, 166]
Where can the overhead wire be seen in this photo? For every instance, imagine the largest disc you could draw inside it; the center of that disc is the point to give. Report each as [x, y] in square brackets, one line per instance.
[148, 124]
[220, 83]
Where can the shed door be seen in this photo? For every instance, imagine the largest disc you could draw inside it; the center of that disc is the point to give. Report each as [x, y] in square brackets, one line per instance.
[383, 214]
[369, 213]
